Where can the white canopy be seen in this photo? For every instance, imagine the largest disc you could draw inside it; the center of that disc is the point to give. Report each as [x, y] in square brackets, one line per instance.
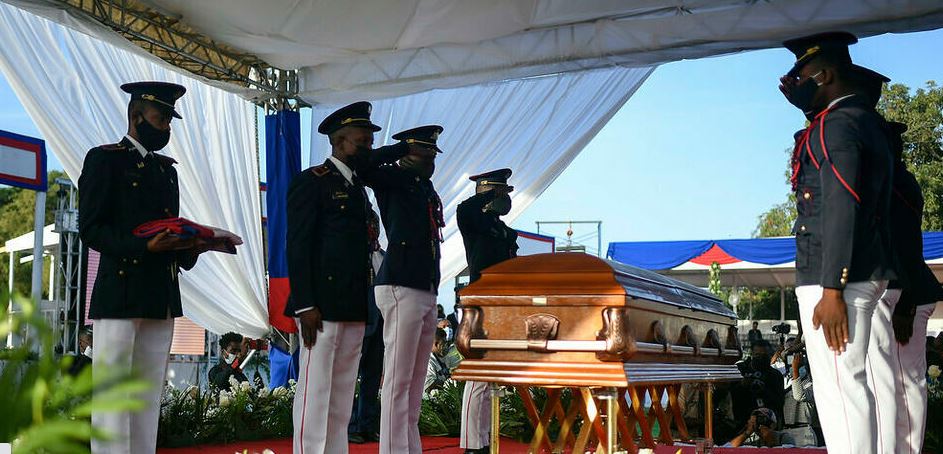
[369, 49]
[24, 242]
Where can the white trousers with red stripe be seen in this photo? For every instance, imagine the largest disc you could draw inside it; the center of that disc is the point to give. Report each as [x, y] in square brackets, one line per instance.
[327, 375]
[845, 403]
[138, 346]
[409, 322]
[476, 415]
[882, 375]
[912, 379]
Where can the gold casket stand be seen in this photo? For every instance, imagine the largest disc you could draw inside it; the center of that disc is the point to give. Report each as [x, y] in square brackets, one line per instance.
[608, 332]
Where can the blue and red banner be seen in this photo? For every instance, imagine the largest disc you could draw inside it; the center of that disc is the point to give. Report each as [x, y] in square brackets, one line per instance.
[22, 161]
[665, 255]
[283, 162]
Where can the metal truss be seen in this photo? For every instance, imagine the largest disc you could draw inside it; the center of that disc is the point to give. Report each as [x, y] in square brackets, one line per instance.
[175, 42]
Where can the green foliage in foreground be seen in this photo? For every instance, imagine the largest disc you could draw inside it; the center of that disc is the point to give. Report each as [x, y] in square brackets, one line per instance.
[45, 410]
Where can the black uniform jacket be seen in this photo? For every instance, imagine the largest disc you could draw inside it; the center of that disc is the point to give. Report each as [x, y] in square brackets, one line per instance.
[118, 191]
[843, 199]
[328, 244]
[916, 280]
[411, 210]
[487, 239]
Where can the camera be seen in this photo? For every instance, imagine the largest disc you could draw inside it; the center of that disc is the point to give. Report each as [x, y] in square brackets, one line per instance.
[782, 328]
[794, 346]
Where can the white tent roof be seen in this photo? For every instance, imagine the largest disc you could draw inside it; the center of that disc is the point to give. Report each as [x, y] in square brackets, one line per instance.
[24, 242]
[369, 49]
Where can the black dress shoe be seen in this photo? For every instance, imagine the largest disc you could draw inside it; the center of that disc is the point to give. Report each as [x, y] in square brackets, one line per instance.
[484, 450]
[356, 438]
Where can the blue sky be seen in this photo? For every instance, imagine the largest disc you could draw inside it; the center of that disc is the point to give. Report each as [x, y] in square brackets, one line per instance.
[697, 153]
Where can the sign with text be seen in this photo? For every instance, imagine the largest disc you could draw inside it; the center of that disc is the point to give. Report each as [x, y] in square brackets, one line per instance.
[22, 161]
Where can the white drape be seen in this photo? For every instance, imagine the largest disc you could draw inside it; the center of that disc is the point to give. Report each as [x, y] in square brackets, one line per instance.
[534, 126]
[68, 82]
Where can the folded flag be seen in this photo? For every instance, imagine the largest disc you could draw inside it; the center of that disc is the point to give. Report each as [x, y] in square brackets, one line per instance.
[217, 239]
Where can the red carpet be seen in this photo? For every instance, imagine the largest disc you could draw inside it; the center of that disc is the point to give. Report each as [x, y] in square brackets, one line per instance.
[446, 445]
[439, 445]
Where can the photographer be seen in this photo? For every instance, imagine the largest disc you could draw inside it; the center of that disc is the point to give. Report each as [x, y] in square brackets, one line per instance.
[800, 398]
[760, 432]
[761, 387]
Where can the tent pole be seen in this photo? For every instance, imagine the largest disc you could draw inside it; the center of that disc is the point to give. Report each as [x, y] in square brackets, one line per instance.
[782, 304]
[10, 303]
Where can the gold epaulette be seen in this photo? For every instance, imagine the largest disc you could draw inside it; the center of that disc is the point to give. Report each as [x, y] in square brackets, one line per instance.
[321, 170]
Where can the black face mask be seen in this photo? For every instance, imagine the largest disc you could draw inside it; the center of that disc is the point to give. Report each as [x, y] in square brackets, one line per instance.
[151, 138]
[361, 157]
[500, 206]
[802, 95]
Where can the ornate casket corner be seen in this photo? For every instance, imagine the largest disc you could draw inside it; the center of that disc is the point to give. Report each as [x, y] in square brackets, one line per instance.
[616, 333]
[470, 328]
[733, 340]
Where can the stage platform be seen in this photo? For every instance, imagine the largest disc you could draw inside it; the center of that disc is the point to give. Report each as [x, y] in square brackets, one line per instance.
[447, 445]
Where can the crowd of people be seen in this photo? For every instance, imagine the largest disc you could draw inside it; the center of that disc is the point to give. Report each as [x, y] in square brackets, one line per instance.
[862, 286]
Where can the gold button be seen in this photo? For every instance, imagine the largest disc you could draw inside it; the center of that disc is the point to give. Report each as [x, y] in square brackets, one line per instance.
[120, 272]
[417, 178]
[802, 228]
[403, 243]
[807, 196]
[330, 278]
[844, 281]
[134, 184]
[342, 207]
[124, 260]
[135, 261]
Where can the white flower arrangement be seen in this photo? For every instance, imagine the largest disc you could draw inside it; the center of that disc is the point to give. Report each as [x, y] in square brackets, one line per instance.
[934, 372]
[245, 386]
[279, 392]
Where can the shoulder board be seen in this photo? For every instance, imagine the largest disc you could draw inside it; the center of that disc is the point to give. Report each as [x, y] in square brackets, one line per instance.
[165, 159]
[321, 170]
[114, 147]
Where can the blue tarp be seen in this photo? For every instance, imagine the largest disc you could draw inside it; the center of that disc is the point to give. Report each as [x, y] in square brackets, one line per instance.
[663, 255]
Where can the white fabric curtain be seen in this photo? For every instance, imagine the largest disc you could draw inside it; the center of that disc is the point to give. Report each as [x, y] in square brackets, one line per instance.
[69, 82]
[533, 126]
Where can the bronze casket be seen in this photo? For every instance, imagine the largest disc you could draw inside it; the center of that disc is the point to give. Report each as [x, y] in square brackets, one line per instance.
[576, 320]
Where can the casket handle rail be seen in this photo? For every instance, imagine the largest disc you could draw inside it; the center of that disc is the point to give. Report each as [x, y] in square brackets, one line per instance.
[614, 342]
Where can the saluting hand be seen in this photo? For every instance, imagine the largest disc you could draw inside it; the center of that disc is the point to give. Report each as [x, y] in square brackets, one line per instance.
[903, 322]
[311, 323]
[831, 314]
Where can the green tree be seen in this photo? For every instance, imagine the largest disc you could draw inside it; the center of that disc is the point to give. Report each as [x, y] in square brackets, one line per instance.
[16, 218]
[922, 112]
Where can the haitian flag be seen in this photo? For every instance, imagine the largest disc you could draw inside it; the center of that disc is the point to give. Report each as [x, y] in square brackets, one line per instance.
[283, 162]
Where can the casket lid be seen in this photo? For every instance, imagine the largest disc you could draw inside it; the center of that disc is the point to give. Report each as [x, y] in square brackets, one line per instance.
[577, 274]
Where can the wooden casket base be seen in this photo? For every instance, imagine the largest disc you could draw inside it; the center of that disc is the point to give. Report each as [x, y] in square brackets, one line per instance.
[584, 423]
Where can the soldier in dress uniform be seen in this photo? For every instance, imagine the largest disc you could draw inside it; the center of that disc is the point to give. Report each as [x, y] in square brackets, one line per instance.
[407, 283]
[842, 174]
[137, 292]
[331, 238]
[918, 293]
[488, 241]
